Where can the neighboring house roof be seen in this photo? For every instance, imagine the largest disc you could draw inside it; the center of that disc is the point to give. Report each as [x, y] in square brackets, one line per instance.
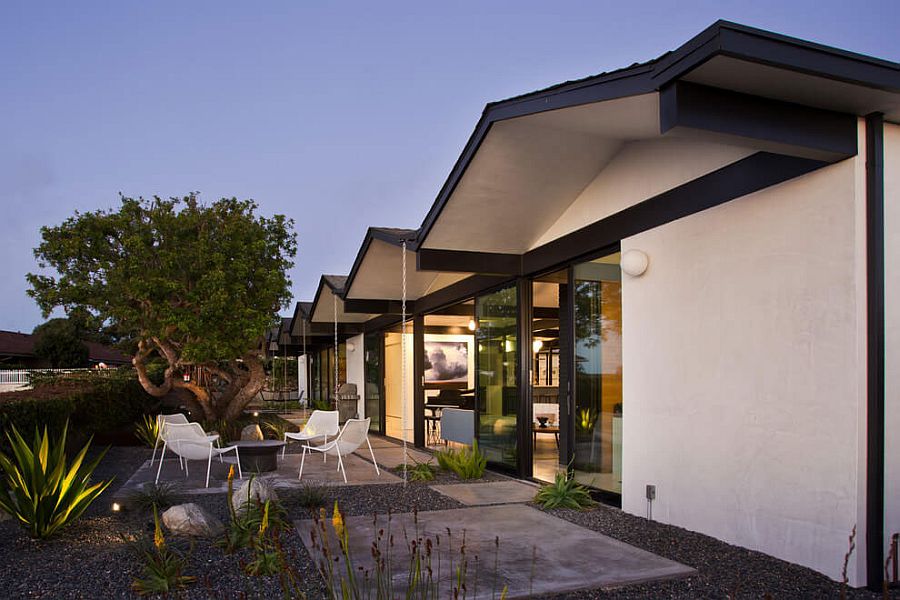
[16, 344]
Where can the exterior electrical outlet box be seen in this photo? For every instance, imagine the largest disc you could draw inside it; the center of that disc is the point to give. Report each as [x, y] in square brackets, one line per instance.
[651, 492]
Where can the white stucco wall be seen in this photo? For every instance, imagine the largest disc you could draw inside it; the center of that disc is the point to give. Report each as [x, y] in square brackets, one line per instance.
[743, 400]
[640, 171]
[356, 369]
[892, 329]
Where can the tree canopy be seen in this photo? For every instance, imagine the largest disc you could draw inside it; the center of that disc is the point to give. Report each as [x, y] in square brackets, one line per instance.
[58, 342]
[195, 284]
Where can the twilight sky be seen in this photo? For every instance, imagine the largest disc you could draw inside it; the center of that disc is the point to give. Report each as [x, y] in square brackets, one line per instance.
[341, 115]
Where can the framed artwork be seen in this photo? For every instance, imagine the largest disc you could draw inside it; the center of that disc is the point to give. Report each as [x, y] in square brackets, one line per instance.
[446, 362]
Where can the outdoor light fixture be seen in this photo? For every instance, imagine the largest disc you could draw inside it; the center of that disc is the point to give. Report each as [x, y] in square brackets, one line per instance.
[472, 325]
[634, 262]
[536, 345]
[116, 507]
[255, 413]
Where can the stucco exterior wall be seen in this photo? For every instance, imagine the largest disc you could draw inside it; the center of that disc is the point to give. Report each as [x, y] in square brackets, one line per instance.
[742, 370]
[892, 329]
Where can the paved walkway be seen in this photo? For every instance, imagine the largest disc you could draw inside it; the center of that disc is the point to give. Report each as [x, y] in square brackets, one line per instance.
[491, 492]
[537, 553]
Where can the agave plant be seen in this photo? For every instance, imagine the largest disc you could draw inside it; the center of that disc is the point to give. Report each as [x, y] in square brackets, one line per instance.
[42, 493]
[564, 492]
[147, 430]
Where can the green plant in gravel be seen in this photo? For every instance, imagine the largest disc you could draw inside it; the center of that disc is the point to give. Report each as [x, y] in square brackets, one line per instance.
[467, 462]
[42, 492]
[159, 495]
[245, 523]
[418, 471]
[564, 492]
[163, 565]
[312, 496]
[147, 430]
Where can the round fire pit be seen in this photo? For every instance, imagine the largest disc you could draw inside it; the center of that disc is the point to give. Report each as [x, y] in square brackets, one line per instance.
[259, 456]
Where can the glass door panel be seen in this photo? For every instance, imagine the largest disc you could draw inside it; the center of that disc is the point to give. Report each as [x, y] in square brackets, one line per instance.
[374, 376]
[598, 374]
[498, 398]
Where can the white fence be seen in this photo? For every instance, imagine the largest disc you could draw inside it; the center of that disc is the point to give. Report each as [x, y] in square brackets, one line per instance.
[18, 379]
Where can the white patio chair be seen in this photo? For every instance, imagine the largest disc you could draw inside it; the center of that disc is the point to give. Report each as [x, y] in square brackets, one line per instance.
[348, 440]
[177, 419]
[189, 442]
[321, 424]
[161, 422]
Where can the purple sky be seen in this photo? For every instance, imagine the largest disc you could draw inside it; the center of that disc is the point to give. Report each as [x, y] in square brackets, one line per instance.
[340, 115]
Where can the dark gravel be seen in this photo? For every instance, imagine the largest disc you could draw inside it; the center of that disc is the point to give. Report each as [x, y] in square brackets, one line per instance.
[94, 559]
[724, 571]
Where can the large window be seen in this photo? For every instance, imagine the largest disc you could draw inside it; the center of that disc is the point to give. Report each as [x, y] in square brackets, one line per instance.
[598, 374]
[497, 340]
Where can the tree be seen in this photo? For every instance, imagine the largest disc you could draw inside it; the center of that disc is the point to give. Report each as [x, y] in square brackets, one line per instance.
[58, 342]
[193, 284]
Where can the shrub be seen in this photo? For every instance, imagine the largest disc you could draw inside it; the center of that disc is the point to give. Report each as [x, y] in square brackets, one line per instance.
[418, 471]
[564, 492]
[147, 430]
[163, 565]
[312, 495]
[158, 495]
[467, 463]
[93, 402]
[43, 493]
[244, 524]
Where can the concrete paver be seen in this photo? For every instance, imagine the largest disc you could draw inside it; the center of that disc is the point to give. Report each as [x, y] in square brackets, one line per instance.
[537, 553]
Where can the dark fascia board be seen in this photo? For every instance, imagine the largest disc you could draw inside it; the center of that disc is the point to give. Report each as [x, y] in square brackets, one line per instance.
[393, 237]
[722, 37]
[377, 306]
[326, 329]
[756, 172]
[323, 281]
[829, 135]
[462, 261]
[777, 50]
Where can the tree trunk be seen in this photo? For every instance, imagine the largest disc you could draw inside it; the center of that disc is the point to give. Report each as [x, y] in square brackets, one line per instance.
[255, 382]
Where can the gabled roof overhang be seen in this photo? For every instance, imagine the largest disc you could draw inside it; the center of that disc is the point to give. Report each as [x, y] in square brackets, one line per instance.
[731, 85]
[328, 305]
[374, 285]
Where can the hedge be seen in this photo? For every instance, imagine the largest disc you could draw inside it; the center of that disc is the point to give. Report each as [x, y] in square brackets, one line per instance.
[94, 403]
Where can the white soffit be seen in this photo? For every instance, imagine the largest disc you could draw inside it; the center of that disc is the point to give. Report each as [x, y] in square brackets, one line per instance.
[379, 276]
[529, 169]
[640, 171]
[790, 86]
[324, 312]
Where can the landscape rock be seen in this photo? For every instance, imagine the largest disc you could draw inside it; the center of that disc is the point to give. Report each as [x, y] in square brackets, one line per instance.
[253, 489]
[192, 520]
[251, 433]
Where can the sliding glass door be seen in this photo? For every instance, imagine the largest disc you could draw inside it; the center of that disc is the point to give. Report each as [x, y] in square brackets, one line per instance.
[497, 358]
[374, 379]
[597, 451]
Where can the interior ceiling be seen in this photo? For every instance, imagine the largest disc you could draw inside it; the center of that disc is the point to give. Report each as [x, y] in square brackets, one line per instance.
[380, 275]
[324, 312]
[447, 320]
[546, 295]
[543, 161]
[780, 84]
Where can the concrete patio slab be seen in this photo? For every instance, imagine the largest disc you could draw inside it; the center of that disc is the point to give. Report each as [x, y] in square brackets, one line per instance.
[538, 553]
[390, 455]
[359, 472]
[492, 492]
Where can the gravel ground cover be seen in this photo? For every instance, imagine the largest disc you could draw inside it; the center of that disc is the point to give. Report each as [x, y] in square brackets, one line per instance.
[94, 559]
[724, 571]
